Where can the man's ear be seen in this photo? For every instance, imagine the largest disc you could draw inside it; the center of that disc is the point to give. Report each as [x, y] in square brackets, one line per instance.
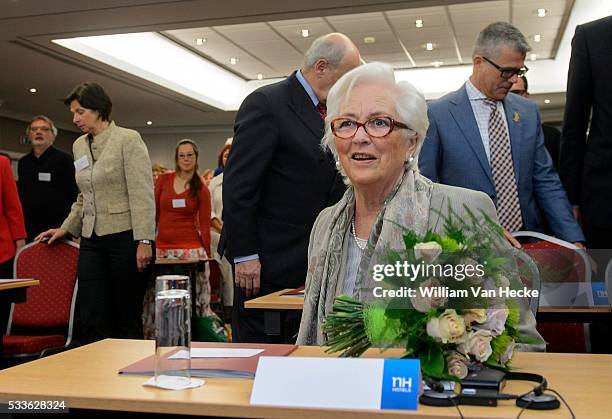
[320, 66]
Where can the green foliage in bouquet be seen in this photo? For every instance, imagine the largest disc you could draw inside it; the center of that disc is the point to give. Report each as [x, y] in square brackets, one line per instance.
[446, 340]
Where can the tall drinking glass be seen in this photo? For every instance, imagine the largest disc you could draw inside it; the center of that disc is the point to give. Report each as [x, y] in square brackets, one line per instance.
[172, 329]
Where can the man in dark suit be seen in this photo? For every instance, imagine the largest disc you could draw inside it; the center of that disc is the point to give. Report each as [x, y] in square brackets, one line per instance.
[278, 179]
[586, 164]
[47, 187]
[481, 138]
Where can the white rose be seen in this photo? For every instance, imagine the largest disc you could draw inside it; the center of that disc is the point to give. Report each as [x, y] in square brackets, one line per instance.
[478, 315]
[457, 364]
[449, 327]
[478, 344]
[422, 302]
[504, 282]
[496, 321]
[508, 353]
[474, 279]
[428, 251]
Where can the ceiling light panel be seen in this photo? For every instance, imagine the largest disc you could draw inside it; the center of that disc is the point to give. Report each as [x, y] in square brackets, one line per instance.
[475, 16]
[432, 17]
[354, 24]
[173, 67]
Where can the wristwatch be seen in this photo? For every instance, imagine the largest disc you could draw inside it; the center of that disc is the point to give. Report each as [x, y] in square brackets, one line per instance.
[145, 241]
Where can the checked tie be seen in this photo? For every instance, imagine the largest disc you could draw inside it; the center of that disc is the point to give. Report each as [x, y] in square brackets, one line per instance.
[322, 109]
[508, 205]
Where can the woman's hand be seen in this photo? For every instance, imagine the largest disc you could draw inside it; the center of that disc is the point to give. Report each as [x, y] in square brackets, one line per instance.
[19, 244]
[53, 234]
[216, 224]
[144, 254]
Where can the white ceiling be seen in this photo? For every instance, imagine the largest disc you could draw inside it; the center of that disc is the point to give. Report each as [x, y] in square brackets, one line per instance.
[265, 36]
[275, 48]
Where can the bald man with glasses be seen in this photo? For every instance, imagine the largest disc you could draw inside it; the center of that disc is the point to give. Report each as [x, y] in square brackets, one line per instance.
[46, 184]
[482, 138]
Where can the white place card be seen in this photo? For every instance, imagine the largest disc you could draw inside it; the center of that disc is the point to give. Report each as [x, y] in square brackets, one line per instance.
[349, 383]
[217, 353]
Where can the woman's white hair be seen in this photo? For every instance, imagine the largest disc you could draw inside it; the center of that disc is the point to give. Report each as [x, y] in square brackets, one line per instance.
[410, 103]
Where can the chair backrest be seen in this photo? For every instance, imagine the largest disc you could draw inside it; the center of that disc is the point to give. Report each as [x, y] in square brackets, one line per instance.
[565, 270]
[609, 281]
[530, 276]
[51, 303]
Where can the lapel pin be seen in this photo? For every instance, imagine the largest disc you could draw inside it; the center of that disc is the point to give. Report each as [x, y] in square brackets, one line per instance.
[516, 117]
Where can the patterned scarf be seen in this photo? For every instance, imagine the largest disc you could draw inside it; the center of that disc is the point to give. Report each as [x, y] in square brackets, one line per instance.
[407, 205]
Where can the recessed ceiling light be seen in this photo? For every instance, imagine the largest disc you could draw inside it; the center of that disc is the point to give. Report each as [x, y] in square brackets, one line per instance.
[33, 90]
[429, 46]
[541, 12]
[437, 63]
[305, 33]
[369, 40]
[259, 76]
[200, 41]
[149, 122]
[418, 23]
[547, 101]
[234, 60]
[533, 56]
[537, 37]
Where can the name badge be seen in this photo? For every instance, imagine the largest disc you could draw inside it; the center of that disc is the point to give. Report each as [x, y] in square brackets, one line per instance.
[178, 203]
[322, 382]
[81, 164]
[44, 177]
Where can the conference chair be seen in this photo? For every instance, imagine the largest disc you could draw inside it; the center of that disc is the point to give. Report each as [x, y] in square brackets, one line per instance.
[530, 276]
[565, 273]
[44, 323]
[609, 281]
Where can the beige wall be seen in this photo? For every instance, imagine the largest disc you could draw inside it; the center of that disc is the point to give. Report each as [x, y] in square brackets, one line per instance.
[161, 146]
[11, 130]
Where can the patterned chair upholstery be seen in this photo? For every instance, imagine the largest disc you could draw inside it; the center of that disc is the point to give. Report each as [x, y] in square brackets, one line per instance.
[50, 305]
[560, 261]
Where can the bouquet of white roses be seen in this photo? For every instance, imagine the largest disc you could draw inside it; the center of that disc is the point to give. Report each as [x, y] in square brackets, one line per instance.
[450, 320]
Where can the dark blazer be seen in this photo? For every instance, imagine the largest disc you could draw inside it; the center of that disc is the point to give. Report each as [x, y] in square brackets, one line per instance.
[453, 154]
[276, 181]
[586, 164]
[552, 141]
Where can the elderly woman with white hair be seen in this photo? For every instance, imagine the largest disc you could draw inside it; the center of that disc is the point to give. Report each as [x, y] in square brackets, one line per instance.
[375, 127]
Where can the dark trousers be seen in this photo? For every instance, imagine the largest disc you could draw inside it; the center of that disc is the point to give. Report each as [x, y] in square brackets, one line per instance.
[6, 269]
[599, 238]
[248, 324]
[111, 289]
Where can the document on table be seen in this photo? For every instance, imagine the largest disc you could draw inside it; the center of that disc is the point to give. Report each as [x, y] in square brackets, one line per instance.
[217, 353]
[15, 280]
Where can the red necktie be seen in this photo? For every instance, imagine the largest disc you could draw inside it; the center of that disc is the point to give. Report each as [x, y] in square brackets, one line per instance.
[322, 109]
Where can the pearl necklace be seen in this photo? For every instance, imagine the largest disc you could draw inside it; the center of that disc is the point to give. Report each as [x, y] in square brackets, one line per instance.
[361, 243]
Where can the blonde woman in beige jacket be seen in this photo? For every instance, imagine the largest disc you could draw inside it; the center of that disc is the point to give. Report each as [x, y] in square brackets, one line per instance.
[114, 215]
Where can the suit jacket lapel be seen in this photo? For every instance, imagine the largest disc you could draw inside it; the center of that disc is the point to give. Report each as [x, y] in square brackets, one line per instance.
[513, 119]
[461, 110]
[303, 107]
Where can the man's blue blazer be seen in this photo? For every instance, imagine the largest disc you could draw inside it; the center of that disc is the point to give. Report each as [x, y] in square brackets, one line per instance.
[453, 154]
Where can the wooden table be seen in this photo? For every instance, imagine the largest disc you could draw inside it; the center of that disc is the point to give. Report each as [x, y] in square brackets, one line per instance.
[574, 314]
[86, 378]
[275, 305]
[11, 292]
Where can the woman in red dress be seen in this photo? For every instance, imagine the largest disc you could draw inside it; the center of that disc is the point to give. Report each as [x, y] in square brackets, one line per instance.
[183, 207]
[12, 227]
